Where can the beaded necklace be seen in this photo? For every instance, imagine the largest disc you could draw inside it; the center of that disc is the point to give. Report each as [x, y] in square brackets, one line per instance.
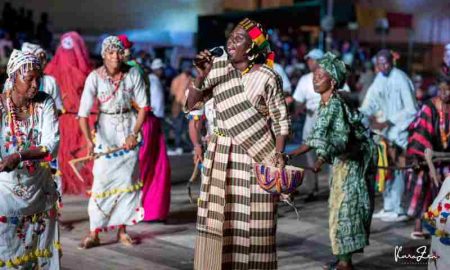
[21, 141]
[13, 122]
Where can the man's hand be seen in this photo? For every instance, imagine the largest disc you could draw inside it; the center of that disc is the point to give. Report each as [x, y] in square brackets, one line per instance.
[318, 165]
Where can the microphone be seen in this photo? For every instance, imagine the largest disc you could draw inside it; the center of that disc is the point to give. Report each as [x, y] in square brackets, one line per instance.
[216, 52]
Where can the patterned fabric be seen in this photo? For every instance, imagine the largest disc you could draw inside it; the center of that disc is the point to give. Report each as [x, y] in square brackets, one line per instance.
[339, 138]
[425, 133]
[236, 218]
[335, 67]
[111, 43]
[32, 48]
[437, 222]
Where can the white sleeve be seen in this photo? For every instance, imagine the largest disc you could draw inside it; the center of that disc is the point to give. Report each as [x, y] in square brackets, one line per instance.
[300, 90]
[157, 98]
[50, 127]
[56, 94]
[370, 103]
[140, 96]
[284, 78]
[89, 95]
[404, 117]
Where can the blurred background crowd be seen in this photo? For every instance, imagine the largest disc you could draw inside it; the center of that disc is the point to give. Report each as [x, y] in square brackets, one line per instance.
[354, 30]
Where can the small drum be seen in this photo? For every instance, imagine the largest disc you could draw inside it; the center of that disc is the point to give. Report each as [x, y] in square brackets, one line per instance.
[276, 181]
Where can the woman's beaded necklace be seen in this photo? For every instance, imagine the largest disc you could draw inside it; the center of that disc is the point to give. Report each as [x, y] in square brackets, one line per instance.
[19, 139]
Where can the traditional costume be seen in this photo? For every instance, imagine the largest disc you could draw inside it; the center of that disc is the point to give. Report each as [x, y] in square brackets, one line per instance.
[236, 218]
[70, 67]
[28, 197]
[430, 130]
[115, 195]
[338, 137]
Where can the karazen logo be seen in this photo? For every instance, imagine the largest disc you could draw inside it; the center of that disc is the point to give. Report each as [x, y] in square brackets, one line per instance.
[418, 256]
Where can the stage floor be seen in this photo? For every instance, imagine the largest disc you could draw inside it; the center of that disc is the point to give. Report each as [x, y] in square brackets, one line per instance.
[301, 244]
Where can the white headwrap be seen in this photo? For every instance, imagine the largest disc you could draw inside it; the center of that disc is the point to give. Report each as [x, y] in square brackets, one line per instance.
[22, 63]
[32, 48]
[111, 42]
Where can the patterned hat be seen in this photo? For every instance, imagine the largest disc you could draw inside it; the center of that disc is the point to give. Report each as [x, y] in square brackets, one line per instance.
[260, 39]
[22, 63]
[32, 48]
[111, 43]
[335, 67]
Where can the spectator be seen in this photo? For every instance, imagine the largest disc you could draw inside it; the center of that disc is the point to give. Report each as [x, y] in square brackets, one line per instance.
[177, 91]
[365, 80]
[392, 95]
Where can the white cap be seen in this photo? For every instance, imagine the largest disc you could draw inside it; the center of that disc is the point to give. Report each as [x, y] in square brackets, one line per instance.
[314, 54]
[157, 64]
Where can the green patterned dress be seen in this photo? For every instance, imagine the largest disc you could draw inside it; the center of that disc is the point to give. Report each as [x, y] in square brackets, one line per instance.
[339, 138]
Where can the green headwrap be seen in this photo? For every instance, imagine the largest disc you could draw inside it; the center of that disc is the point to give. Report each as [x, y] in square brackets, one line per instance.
[335, 67]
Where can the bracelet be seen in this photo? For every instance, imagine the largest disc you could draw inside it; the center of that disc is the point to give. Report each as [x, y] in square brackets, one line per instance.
[133, 134]
[198, 145]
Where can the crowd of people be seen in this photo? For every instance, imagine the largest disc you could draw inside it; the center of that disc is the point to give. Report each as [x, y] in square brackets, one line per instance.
[70, 127]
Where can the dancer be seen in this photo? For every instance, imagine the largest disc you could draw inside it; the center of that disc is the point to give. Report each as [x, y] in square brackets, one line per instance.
[28, 197]
[48, 84]
[236, 217]
[430, 130]
[114, 201]
[70, 67]
[391, 97]
[338, 137]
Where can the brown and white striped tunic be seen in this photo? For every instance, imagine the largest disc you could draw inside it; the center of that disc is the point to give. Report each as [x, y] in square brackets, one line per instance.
[236, 218]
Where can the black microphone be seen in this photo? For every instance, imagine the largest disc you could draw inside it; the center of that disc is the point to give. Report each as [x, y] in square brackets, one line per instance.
[216, 52]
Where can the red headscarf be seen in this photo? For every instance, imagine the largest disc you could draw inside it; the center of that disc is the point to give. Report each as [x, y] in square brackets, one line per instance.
[70, 66]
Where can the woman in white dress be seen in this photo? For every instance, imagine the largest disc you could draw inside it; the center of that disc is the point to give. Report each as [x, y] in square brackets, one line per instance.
[115, 198]
[29, 137]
